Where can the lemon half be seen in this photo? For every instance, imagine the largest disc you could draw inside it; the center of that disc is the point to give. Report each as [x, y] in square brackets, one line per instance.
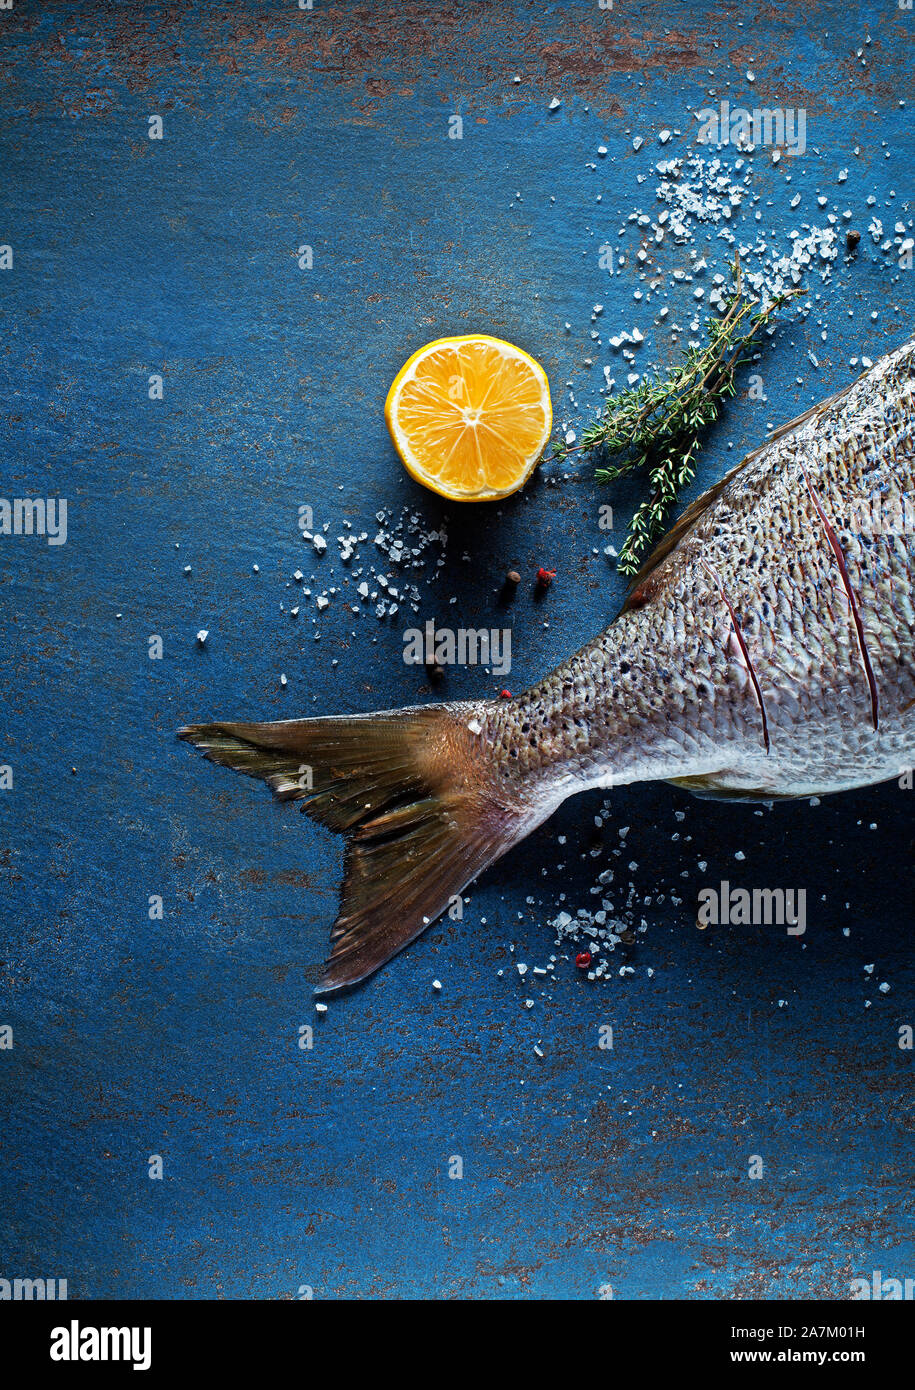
[470, 417]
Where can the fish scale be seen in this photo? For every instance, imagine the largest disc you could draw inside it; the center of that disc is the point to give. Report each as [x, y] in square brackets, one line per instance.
[766, 651]
[666, 691]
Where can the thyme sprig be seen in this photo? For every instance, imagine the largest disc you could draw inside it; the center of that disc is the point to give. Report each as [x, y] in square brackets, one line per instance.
[658, 423]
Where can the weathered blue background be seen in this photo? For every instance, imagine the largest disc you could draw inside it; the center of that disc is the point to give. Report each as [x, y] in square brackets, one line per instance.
[133, 1037]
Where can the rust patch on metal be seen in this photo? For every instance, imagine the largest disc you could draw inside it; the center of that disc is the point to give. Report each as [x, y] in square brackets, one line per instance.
[372, 51]
[283, 878]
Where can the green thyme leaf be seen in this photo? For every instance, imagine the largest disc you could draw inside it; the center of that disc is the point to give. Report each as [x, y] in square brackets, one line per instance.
[656, 425]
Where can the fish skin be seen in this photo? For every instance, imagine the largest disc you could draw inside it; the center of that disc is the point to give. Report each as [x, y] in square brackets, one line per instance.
[667, 691]
[767, 651]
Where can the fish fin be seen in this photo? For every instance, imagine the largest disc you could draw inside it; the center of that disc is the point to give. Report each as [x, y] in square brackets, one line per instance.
[685, 523]
[415, 799]
[708, 789]
[680, 528]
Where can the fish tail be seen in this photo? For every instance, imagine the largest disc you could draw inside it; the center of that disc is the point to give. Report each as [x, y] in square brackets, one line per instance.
[413, 793]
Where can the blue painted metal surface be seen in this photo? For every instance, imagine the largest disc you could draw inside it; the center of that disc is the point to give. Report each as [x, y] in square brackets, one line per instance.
[328, 1167]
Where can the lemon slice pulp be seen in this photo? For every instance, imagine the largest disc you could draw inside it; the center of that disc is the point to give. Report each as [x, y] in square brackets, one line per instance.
[470, 416]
